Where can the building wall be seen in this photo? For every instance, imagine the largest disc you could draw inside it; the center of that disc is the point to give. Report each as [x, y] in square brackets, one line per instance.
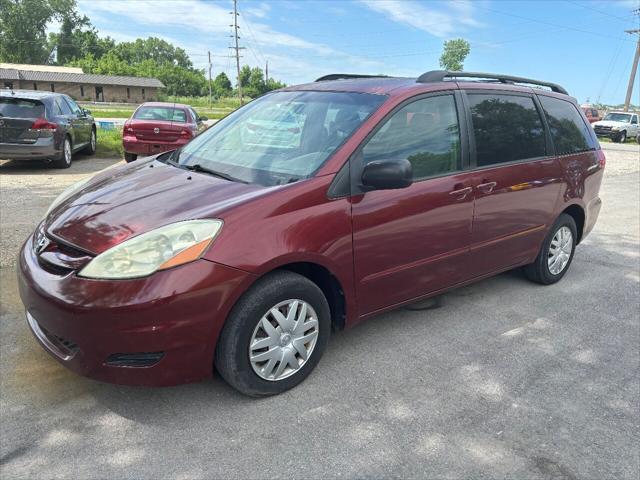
[87, 92]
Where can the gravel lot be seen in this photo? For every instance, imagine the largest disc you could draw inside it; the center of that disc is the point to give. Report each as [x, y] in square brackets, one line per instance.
[506, 380]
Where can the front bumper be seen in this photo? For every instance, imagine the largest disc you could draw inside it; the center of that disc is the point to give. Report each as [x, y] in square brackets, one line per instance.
[42, 149]
[177, 313]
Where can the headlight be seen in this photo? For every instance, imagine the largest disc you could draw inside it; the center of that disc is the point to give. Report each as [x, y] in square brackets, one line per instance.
[67, 193]
[162, 248]
[615, 128]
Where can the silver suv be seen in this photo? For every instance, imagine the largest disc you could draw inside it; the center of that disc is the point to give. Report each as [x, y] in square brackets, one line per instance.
[618, 126]
[44, 126]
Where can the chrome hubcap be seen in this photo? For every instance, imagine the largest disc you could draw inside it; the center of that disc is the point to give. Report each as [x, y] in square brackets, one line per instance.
[283, 340]
[67, 151]
[560, 250]
[93, 140]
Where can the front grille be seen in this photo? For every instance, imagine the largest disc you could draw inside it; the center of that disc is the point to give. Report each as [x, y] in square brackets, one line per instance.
[146, 359]
[602, 129]
[57, 257]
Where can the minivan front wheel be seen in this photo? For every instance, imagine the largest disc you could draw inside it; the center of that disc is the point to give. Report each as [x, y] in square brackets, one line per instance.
[556, 252]
[274, 336]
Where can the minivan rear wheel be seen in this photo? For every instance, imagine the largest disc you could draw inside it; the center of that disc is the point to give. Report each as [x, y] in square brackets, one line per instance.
[556, 253]
[275, 335]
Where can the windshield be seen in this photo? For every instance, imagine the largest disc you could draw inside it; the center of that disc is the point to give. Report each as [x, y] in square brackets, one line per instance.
[618, 117]
[165, 114]
[281, 137]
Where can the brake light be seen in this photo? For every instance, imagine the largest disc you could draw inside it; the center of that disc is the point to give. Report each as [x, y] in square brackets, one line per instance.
[602, 160]
[187, 133]
[44, 124]
[128, 128]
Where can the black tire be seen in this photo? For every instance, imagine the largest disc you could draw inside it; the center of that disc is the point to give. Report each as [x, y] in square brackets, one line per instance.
[130, 157]
[538, 271]
[66, 155]
[232, 352]
[622, 137]
[93, 141]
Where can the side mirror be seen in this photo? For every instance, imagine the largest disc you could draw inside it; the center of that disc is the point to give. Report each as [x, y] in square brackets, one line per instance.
[203, 119]
[387, 175]
[86, 112]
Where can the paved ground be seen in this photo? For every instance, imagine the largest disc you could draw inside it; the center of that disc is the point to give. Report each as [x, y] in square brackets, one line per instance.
[506, 380]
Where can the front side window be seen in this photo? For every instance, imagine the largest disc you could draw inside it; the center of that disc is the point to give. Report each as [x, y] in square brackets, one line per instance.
[425, 132]
[164, 114]
[634, 120]
[281, 137]
[569, 132]
[507, 128]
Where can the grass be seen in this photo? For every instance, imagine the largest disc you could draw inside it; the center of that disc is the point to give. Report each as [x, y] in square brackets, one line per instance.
[109, 143]
[121, 113]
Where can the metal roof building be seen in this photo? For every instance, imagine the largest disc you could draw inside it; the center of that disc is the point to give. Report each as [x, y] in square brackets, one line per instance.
[81, 86]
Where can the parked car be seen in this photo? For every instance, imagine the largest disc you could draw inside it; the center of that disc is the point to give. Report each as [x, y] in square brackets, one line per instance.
[157, 127]
[618, 126]
[244, 257]
[44, 126]
[592, 113]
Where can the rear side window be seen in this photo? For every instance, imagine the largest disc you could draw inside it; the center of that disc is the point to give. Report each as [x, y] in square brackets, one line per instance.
[506, 127]
[569, 132]
[166, 114]
[425, 132]
[63, 106]
[19, 108]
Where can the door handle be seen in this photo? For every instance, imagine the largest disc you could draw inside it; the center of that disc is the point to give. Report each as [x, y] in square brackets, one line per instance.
[486, 187]
[461, 192]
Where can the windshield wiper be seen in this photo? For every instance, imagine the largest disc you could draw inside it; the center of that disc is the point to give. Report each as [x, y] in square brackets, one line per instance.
[199, 168]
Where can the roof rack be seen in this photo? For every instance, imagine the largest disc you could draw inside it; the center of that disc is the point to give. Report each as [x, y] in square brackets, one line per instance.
[345, 76]
[440, 75]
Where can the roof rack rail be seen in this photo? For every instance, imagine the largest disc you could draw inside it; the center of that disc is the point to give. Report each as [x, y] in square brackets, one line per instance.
[345, 76]
[440, 75]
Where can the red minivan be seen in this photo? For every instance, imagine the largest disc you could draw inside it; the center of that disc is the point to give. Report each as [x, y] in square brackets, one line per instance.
[157, 127]
[242, 250]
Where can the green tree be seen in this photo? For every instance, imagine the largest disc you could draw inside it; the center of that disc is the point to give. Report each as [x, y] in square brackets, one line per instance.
[155, 49]
[77, 39]
[454, 54]
[221, 85]
[23, 25]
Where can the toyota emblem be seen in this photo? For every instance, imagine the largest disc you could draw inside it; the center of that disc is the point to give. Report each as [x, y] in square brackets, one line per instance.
[156, 130]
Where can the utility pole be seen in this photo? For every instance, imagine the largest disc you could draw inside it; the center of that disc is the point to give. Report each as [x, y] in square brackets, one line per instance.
[266, 72]
[634, 69]
[209, 52]
[237, 48]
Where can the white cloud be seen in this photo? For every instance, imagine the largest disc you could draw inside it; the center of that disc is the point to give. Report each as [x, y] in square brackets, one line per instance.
[260, 11]
[440, 22]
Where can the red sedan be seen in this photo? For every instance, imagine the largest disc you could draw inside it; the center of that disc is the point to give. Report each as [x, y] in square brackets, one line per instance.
[157, 127]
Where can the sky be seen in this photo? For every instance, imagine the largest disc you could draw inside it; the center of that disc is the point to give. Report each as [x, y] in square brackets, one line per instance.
[580, 44]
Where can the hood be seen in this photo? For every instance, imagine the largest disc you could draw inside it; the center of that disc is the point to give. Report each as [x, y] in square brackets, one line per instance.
[609, 123]
[134, 200]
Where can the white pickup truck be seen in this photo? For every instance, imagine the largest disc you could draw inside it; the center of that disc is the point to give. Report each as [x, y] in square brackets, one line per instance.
[618, 126]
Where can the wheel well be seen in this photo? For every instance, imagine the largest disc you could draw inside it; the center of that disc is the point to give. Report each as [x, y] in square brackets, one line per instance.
[329, 285]
[577, 213]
